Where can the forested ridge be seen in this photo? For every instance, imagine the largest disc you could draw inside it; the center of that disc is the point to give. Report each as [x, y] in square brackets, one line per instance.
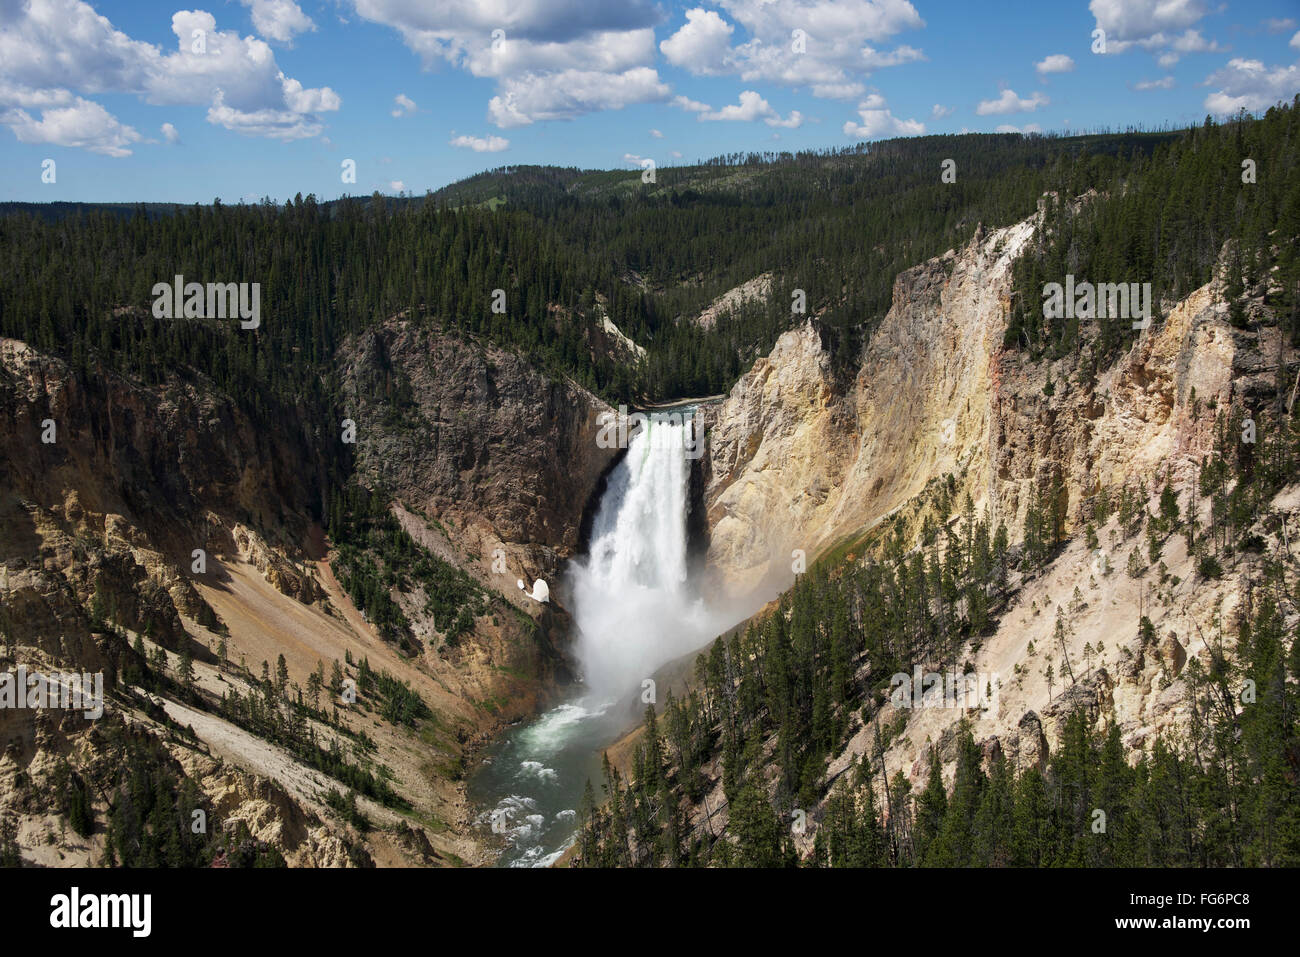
[838, 225]
[1165, 219]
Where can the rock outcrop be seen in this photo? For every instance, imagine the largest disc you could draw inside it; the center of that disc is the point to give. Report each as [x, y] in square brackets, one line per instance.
[798, 462]
[472, 437]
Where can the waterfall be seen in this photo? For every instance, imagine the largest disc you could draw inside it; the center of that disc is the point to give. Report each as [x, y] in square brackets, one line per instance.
[635, 608]
[633, 601]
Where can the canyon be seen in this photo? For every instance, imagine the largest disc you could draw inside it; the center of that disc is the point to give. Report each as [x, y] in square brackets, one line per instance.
[495, 469]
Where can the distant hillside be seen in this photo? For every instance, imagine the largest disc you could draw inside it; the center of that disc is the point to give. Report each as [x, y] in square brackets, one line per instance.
[53, 212]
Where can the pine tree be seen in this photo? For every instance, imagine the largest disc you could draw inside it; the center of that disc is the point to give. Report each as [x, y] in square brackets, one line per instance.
[185, 667]
[931, 806]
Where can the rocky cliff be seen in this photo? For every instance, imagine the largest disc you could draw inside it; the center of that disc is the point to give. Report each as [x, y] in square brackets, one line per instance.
[470, 436]
[798, 460]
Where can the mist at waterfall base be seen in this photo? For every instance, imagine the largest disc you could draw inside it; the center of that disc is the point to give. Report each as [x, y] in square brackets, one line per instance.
[635, 608]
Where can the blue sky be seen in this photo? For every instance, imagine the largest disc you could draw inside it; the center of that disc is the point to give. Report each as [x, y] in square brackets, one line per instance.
[241, 99]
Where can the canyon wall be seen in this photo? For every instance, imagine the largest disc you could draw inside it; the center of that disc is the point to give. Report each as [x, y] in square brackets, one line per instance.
[800, 459]
[471, 436]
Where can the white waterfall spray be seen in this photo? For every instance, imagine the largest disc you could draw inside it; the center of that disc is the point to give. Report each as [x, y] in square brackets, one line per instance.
[636, 609]
[634, 604]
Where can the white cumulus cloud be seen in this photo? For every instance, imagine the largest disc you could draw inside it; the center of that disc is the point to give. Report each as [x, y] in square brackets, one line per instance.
[689, 105]
[1166, 28]
[82, 124]
[405, 105]
[278, 20]
[1056, 63]
[878, 60]
[825, 47]
[752, 107]
[876, 120]
[552, 59]
[702, 44]
[1250, 85]
[481, 144]
[1009, 102]
[66, 46]
[571, 93]
[1144, 22]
